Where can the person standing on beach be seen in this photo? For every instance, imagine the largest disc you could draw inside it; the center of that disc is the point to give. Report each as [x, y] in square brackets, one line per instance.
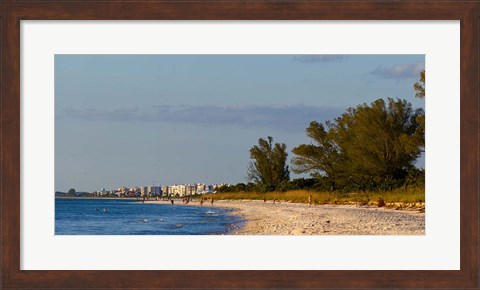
[212, 201]
[201, 201]
[171, 201]
[310, 200]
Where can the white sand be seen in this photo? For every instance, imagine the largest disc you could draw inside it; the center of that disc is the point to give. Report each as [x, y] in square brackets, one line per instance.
[301, 219]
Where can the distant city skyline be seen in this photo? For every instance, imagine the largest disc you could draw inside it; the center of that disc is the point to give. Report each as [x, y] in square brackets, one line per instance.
[133, 120]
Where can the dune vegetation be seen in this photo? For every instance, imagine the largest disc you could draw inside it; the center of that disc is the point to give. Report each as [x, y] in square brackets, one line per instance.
[407, 196]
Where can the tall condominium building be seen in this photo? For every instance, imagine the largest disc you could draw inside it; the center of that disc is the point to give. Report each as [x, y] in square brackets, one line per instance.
[179, 190]
[143, 190]
[155, 190]
[190, 189]
[200, 187]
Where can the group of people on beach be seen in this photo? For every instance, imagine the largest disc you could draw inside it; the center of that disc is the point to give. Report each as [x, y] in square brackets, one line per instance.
[204, 198]
[145, 198]
[186, 200]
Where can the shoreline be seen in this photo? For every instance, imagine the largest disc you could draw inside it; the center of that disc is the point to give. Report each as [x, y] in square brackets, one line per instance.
[285, 218]
[90, 197]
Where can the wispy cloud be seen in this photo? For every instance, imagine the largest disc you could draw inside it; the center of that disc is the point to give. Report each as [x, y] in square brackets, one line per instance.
[278, 117]
[313, 58]
[119, 114]
[399, 71]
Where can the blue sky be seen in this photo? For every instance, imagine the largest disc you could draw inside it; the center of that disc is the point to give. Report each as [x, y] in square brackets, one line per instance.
[131, 120]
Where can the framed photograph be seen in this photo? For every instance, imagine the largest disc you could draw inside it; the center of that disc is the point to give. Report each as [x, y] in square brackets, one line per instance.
[224, 144]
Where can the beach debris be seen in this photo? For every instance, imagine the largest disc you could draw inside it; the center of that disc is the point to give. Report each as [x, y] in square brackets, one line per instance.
[381, 202]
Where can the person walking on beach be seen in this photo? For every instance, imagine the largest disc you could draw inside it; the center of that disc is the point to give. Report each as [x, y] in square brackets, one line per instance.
[310, 200]
[171, 201]
[212, 201]
[201, 201]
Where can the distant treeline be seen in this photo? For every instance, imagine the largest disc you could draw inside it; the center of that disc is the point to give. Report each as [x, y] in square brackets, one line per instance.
[414, 179]
[371, 147]
[73, 193]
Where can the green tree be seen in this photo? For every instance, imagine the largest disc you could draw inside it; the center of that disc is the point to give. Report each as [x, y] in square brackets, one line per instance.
[381, 141]
[71, 191]
[240, 187]
[321, 158]
[419, 86]
[366, 146]
[268, 168]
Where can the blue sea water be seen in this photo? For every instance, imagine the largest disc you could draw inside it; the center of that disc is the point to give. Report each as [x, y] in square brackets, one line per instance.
[129, 217]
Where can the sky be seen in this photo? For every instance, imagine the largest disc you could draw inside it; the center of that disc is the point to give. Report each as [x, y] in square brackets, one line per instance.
[138, 120]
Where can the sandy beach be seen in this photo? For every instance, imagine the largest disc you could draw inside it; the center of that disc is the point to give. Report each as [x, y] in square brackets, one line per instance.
[283, 218]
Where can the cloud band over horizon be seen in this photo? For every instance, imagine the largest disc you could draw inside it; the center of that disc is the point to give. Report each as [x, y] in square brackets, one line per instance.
[278, 117]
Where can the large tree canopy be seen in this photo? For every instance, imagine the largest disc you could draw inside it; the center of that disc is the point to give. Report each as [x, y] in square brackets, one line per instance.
[369, 144]
[381, 140]
[268, 168]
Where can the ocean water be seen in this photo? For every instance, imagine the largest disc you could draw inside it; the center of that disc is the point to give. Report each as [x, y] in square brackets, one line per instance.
[128, 217]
